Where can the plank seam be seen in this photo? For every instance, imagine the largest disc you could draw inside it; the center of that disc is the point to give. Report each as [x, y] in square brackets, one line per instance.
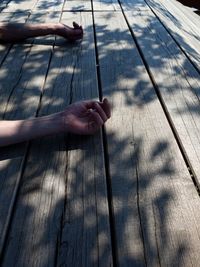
[16, 84]
[168, 31]
[21, 173]
[6, 5]
[5, 56]
[62, 219]
[12, 205]
[11, 45]
[166, 112]
[110, 200]
[156, 236]
[139, 214]
[106, 158]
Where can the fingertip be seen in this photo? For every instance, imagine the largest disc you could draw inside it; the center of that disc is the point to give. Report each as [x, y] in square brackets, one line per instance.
[76, 25]
[97, 118]
[107, 107]
[105, 100]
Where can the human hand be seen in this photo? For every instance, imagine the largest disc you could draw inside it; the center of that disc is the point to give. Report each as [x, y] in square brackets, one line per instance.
[70, 33]
[85, 117]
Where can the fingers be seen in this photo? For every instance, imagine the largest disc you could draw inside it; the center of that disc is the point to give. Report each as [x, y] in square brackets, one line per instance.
[96, 118]
[102, 108]
[106, 107]
[76, 26]
[100, 111]
[78, 34]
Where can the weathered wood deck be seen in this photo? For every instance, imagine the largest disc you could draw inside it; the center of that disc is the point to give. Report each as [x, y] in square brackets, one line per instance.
[128, 196]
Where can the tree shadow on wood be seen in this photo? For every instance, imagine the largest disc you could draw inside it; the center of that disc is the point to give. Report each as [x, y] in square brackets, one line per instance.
[27, 5]
[191, 33]
[61, 213]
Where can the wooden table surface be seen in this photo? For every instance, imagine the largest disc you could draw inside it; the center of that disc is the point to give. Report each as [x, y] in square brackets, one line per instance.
[129, 195]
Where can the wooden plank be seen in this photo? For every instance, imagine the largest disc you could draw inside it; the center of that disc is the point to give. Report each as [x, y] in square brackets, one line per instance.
[62, 213]
[177, 79]
[19, 85]
[23, 85]
[17, 5]
[151, 186]
[182, 24]
[50, 5]
[182, 15]
[30, 5]
[10, 17]
[129, 5]
[106, 5]
[13, 16]
[4, 4]
[22, 75]
[115, 48]
[21, 78]
[74, 5]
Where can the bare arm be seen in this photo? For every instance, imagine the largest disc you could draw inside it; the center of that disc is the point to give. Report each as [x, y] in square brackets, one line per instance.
[85, 117]
[14, 32]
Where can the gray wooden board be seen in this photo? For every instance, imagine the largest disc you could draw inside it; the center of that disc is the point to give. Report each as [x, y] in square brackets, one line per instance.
[106, 5]
[75, 5]
[49, 5]
[62, 212]
[10, 17]
[17, 5]
[176, 77]
[98, 5]
[151, 186]
[182, 23]
[20, 92]
[3, 4]
[184, 12]
[22, 76]
[13, 16]
[31, 5]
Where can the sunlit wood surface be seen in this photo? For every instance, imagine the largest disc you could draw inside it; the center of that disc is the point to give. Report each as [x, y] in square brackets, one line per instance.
[129, 195]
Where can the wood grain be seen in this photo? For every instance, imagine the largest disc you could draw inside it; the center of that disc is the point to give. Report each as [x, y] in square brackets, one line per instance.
[182, 23]
[74, 5]
[62, 202]
[48, 5]
[9, 17]
[17, 5]
[22, 76]
[19, 99]
[154, 198]
[177, 79]
[106, 5]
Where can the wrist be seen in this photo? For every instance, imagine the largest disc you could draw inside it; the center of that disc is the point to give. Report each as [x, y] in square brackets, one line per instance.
[52, 124]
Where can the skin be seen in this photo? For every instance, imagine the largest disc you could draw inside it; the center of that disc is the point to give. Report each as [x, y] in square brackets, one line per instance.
[16, 32]
[82, 118]
[85, 117]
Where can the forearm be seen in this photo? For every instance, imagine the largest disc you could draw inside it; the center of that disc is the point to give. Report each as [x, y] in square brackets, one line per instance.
[18, 32]
[12, 132]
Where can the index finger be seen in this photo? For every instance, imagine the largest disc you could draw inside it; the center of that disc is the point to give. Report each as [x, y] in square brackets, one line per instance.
[106, 107]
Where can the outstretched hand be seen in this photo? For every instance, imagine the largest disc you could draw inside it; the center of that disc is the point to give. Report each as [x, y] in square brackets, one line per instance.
[70, 33]
[86, 117]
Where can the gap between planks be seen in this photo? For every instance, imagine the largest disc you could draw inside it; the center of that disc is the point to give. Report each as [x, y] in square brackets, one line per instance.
[161, 100]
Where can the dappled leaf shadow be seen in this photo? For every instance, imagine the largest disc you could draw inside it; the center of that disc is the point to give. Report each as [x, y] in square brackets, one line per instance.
[61, 211]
